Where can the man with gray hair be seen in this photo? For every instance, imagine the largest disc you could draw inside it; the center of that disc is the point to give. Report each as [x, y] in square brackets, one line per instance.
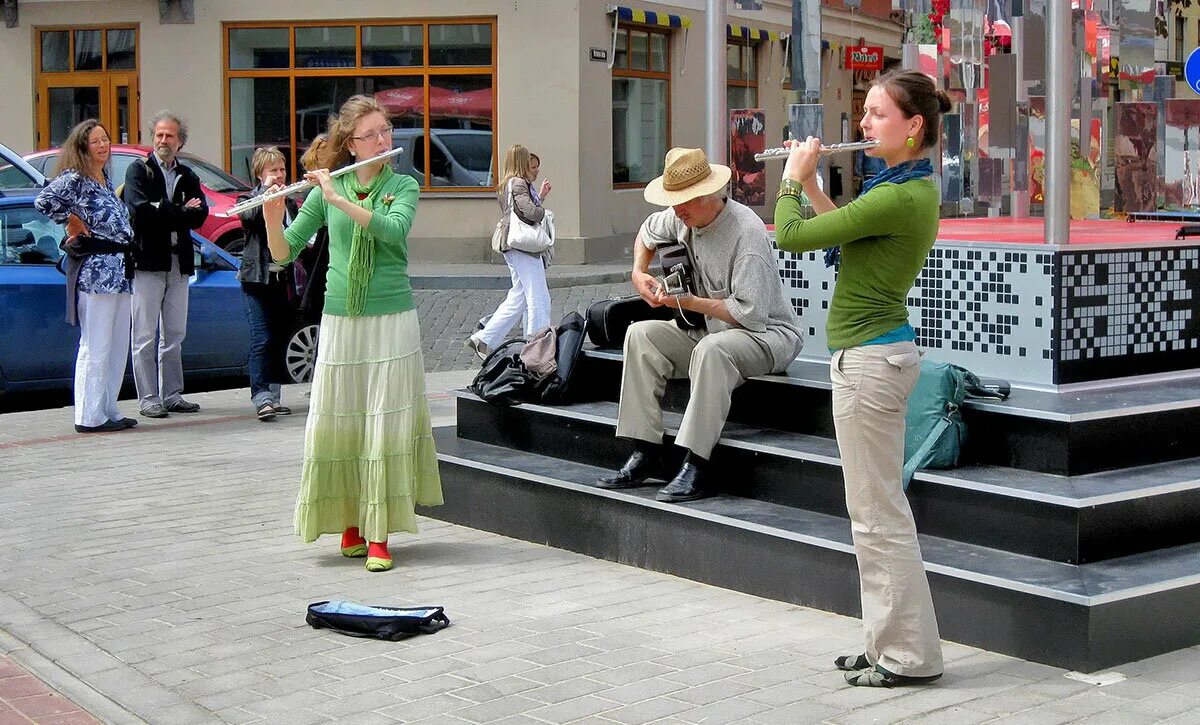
[165, 203]
[733, 324]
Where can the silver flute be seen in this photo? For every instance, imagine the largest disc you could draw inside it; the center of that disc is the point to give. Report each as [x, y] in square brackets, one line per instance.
[305, 185]
[783, 151]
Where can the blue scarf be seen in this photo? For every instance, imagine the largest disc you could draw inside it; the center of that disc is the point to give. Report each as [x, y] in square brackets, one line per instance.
[897, 174]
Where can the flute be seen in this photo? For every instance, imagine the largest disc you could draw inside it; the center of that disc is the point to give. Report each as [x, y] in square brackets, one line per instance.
[305, 185]
[782, 151]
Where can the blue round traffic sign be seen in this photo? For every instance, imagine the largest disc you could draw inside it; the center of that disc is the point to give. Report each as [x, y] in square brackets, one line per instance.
[1191, 70]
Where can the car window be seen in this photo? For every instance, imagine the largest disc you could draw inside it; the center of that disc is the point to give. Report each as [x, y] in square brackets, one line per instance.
[28, 237]
[120, 167]
[471, 150]
[13, 178]
[213, 177]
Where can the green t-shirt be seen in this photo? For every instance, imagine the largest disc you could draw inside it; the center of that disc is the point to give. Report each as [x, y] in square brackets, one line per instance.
[885, 236]
[389, 289]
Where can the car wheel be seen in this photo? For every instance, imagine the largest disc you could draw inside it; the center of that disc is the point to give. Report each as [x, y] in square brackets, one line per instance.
[232, 243]
[300, 357]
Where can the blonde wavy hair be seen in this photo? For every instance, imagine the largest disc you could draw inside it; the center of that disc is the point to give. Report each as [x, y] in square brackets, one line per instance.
[336, 152]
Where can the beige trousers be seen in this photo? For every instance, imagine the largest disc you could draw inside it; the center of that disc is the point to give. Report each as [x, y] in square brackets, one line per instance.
[871, 385]
[657, 351]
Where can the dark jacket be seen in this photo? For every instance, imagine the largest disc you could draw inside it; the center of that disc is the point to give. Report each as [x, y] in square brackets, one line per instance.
[154, 217]
[256, 257]
[78, 249]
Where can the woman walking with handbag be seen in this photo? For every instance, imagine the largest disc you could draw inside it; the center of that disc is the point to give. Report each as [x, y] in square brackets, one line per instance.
[883, 238]
[529, 296]
[368, 443]
[98, 270]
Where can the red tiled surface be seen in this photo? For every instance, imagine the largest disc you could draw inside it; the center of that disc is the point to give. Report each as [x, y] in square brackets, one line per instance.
[25, 699]
[1032, 231]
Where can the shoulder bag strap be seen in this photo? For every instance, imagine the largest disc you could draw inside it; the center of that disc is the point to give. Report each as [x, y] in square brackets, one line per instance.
[914, 461]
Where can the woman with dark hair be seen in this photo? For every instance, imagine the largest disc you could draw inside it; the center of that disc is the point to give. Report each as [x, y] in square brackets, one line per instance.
[81, 196]
[883, 237]
[368, 444]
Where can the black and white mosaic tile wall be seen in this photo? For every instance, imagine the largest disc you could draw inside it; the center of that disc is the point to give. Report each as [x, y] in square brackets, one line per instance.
[987, 308]
[1128, 312]
[1043, 317]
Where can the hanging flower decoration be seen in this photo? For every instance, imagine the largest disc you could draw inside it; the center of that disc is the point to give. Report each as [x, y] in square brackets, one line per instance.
[936, 17]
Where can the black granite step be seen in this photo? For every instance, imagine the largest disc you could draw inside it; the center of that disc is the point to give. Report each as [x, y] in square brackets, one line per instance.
[1080, 617]
[1067, 433]
[1075, 519]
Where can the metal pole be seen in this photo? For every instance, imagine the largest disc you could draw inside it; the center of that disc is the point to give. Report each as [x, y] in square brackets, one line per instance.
[714, 80]
[1058, 122]
[1020, 195]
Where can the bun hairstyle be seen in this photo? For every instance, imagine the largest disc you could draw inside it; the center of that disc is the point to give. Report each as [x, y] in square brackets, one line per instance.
[916, 95]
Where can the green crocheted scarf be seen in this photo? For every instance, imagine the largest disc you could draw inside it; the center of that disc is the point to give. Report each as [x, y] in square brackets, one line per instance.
[362, 244]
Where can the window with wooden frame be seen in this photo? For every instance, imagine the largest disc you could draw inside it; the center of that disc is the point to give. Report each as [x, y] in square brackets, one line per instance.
[641, 106]
[86, 71]
[741, 72]
[435, 77]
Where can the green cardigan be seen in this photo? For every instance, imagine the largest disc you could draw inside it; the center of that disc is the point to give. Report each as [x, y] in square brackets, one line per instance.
[389, 289]
[885, 236]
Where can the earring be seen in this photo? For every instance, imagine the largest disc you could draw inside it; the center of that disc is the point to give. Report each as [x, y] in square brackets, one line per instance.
[911, 142]
[353, 154]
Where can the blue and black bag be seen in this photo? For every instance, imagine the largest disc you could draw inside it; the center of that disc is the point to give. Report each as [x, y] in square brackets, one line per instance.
[390, 623]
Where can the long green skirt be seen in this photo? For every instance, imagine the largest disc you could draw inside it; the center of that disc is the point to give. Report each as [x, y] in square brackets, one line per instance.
[368, 444]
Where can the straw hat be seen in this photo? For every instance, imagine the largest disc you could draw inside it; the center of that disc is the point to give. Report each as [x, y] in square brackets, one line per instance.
[686, 176]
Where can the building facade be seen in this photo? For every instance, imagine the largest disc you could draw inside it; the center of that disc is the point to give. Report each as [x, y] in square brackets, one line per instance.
[598, 90]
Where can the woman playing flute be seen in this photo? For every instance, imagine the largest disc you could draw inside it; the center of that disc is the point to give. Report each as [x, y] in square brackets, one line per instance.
[368, 444]
[884, 236]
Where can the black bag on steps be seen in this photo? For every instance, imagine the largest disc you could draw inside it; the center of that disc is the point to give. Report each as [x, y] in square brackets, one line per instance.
[503, 378]
[556, 388]
[609, 320]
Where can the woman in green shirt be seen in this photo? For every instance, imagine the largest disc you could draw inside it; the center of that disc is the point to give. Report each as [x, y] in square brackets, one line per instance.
[882, 237]
[368, 443]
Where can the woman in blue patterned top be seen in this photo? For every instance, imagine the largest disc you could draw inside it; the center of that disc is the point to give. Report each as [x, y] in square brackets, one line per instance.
[98, 287]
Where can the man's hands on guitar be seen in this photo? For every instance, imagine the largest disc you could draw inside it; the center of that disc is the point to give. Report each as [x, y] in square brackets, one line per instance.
[649, 289]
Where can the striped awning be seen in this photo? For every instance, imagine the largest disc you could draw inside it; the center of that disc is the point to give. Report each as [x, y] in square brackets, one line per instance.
[649, 17]
[755, 34]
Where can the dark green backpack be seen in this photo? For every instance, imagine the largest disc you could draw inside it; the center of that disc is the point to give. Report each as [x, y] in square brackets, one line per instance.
[934, 431]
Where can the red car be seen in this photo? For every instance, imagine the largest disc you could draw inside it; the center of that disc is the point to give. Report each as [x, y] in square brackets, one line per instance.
[220, 188]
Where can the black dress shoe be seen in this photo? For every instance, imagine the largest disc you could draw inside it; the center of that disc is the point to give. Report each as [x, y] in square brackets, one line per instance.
[640, 466]
[105, 427]
[686, 484]
[127, 422]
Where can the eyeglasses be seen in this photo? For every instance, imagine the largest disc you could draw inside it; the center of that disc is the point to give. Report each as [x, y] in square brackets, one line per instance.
[372, 135]
[99, 142]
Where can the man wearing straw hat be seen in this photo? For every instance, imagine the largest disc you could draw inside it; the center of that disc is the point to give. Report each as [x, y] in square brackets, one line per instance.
[744, 323]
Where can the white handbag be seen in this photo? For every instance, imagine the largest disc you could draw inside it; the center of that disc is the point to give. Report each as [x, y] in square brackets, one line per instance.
[524, 237]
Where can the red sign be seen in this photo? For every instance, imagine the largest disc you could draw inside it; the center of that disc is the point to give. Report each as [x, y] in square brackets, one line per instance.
[864, 57]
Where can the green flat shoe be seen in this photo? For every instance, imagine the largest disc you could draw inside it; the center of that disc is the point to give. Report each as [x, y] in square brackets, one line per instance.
[357, 551]
[376, 564]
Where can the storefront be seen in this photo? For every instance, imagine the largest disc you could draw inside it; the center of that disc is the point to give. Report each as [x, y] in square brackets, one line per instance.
[599, 91]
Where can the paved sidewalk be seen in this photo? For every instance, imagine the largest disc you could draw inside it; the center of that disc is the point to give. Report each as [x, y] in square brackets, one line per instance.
[152, 576]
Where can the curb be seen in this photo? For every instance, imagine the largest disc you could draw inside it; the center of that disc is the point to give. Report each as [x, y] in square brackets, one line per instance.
[62, 659]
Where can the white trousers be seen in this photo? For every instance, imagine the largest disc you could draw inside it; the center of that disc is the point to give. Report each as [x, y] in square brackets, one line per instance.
[871, 385]
[160, 312]
[528, 297]
[103, 350]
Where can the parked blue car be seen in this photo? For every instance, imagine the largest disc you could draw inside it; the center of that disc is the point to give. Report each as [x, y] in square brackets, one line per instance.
[37, 346]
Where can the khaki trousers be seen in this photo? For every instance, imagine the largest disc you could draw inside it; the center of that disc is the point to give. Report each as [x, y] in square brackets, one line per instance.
[657, 351]
[871, 385]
